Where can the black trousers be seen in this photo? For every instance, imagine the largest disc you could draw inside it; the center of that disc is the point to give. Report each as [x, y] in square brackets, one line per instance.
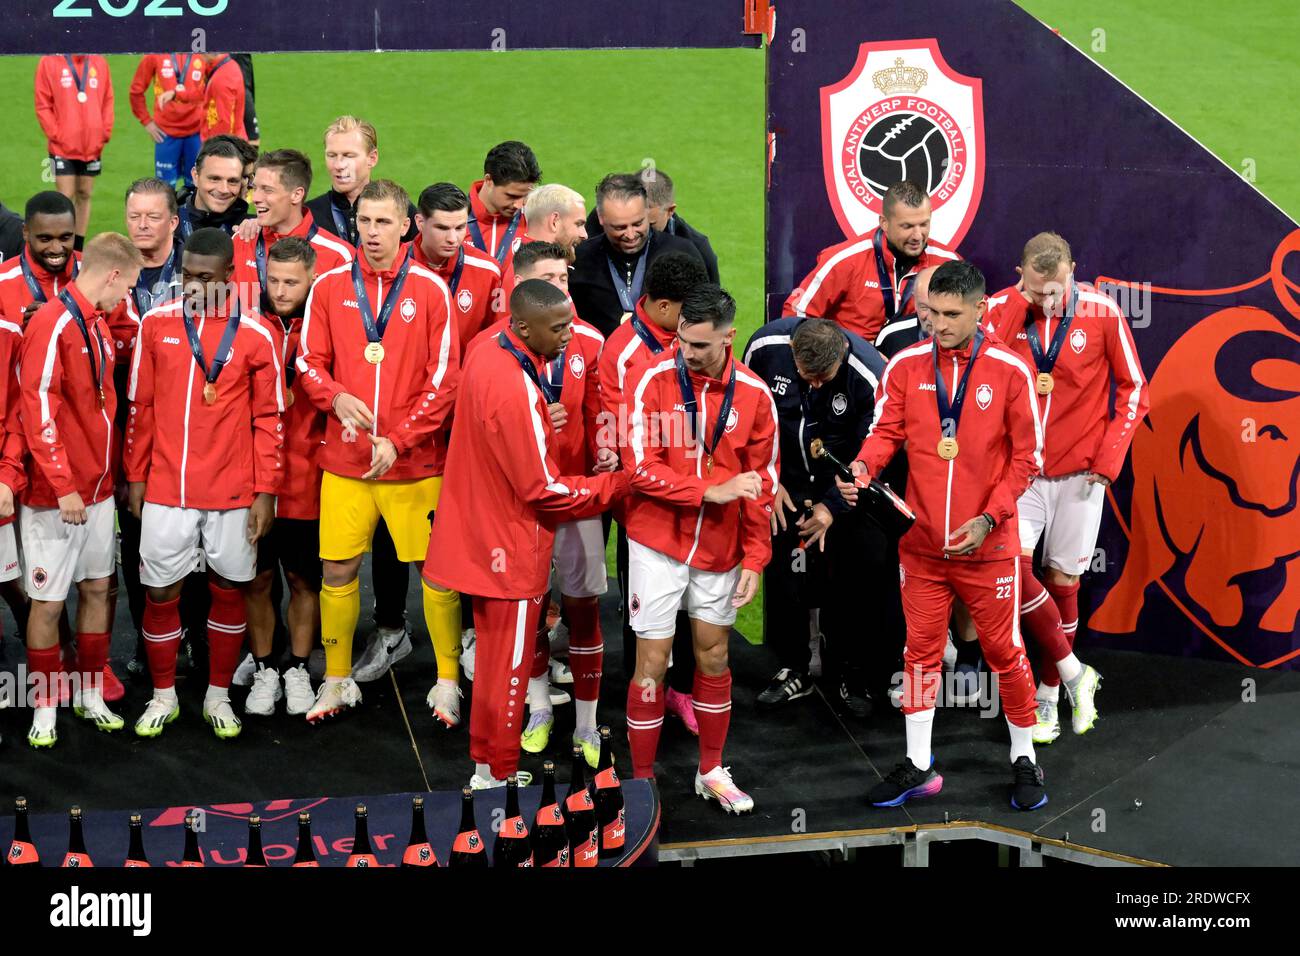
[681, 676]
[855, 584]
[390, 578]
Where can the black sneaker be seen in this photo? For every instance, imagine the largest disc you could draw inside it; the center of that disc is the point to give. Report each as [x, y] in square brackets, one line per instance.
[786, 686]
[904, 782]
[854, 700]
[1027, 791]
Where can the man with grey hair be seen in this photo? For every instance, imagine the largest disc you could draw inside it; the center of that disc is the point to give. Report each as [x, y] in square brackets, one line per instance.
[609, 268]
[824, 554]
[664, 218]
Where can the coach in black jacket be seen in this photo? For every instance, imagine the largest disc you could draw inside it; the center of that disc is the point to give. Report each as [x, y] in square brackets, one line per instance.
[823, 380]
[609, 269]
[11, 233]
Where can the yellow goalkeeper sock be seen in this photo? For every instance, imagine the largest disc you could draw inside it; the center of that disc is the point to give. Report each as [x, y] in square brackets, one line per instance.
[339, 609]
[442, 617]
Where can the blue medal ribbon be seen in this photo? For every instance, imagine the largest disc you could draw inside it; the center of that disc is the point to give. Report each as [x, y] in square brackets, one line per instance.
[1046, 361]
[33, 284]
[182, 73]
[455, 273]
[85, 71]
[224, 349]
[147, 298]
[630, 295]
[887, 283]
[691, 405]
[347, 231]
[550, 388]
[646, 336]
[261, 255]
[950, 414]
[96, 371]
[503, 249]
[375, 327]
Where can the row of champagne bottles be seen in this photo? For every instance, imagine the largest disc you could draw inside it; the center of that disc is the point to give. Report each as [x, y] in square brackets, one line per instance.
[590, 823]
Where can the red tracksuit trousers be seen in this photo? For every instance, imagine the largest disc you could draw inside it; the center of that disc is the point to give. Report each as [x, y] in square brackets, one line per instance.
[505, 633]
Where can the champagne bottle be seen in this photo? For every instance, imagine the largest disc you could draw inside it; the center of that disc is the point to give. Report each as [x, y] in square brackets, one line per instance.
[76, 857]
[580, 816]
[610, 812]
[22, 851]
[550, 842]
[419, 852]
[255, 856]
[511, 848]
[361, 855]
[468, 848]
[306, 855]
[191, 856]
[135, 855]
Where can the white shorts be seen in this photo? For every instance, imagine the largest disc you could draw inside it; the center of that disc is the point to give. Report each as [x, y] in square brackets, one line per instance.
[9, 568]
[171, 537]
[1066, 513]
[57, 555]
[580, 558]
[661, 586]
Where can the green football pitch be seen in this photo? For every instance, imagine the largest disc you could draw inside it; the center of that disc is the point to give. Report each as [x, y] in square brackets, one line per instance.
[1227, 80]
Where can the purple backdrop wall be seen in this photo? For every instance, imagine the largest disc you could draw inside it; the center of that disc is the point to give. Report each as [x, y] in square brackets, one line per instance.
[255, 26]
[1211, 490]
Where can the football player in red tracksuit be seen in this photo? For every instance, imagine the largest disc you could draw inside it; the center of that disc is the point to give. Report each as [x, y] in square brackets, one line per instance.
[493, 536]
[1080, 345]
[66, 521]
[379, 351]
[46, 264]
[178, 90]
[74, 104]
[963, 405]
[571, 381]
[497, 222]
[294, 541]
[473, 276]
[867, 282]
[702, 453]
[553, 213]
[223, 99]
[204, 458]
[651, 330]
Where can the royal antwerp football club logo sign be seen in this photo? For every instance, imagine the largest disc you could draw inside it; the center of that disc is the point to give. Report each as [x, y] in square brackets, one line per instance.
[903, 113]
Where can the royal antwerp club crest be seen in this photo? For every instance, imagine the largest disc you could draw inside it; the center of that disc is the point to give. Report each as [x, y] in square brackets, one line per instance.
[903, 113]
[984, 396]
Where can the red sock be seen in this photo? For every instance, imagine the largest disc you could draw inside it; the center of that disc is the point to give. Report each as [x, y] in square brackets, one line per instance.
[586, 647]
[92, 658]
[162, 639]
[1041, 619]
[712, 697]
[1067, 599]
[43, 664]
[541, 650]
[227, 623]
[645, 718]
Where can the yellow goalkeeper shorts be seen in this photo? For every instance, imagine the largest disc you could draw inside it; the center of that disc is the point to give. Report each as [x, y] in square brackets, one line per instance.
[350, 510]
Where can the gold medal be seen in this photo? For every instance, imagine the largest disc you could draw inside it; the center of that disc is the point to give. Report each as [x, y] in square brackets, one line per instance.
[180, 87]
[375, 353]
[1044, 383]
[948, 448]
[210, 393]
[82, 97]
[288, 398]
[708, 464]
[103, 399]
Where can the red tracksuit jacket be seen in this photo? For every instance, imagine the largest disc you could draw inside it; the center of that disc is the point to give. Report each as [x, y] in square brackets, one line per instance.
[410, 392]
[623, 352]
[74, 130]
[494, 227]
[13, 447]
[845, 285]
[223, 100]
[1000, 444]
[574, 446]
[503, 493]
[192, 454]
[304, 430]
[1080, 434]
[477, 301]
[14, 294]
[331, 252]
[69, 435]
[183, 115]
[667, 510]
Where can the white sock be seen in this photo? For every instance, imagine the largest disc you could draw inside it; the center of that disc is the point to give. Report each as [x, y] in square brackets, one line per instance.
[448, 682]
[44, 718]
[1022, 742]
[334, 680]
[1051, 694]
[216, 693]
[919, 725]
[484, 771]
[166, 693]
[586, 715]
[1069, 667]
[539, 693]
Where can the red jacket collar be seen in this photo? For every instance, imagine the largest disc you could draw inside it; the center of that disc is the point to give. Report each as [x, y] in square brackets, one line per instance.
[299, 231]
[699, 378]
[46, 278]
[368, 271]
[89, 311]
[480, 211]
[445, 270]
[538, 361]
[665, 337]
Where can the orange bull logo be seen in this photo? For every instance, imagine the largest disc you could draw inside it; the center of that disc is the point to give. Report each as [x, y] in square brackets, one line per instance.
[1215, 472]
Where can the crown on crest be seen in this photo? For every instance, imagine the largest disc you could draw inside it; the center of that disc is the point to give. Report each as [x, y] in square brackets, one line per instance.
[899, 78]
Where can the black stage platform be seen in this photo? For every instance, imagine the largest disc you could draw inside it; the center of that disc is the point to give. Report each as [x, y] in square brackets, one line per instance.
[1187, 766]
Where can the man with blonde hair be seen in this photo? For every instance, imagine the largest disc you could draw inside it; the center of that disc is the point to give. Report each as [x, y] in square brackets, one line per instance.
[351, 154]
[553, 213]
[67, 406]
